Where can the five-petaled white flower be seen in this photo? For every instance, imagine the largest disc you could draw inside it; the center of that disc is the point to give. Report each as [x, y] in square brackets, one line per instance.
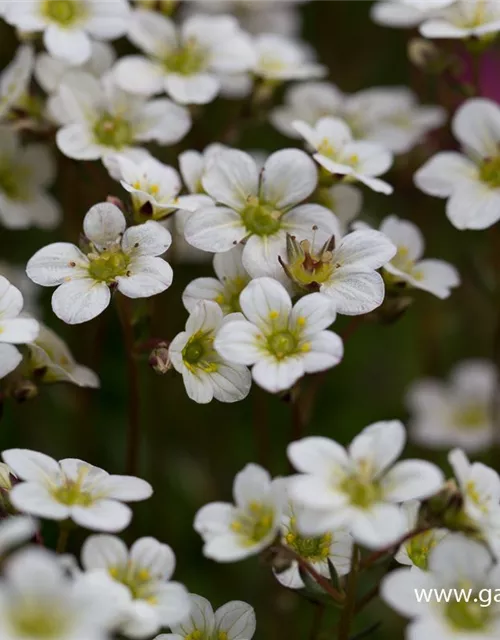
[458, 413]
[235, 620]
[259, 206]
[184, 62]
[13, 328]
[232, 278]
[470, 180]
[415, 551]
[73, 489]
[25, 174]
[234, 532]
[67, 24]
[98, 119]
[50, 360]
[280, 59]
[337, 152]
[456, 565]
[153, 601]
[435, 276]
[127, 259]
[360, 488]
[15, 79]
[281, 342]
[205, 372]
[38, 600]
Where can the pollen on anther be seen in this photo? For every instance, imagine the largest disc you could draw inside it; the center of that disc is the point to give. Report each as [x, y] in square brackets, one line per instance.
[136, 245]
[72, 264]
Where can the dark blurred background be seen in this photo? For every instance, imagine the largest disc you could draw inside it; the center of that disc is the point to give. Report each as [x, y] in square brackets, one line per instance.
[190, 453]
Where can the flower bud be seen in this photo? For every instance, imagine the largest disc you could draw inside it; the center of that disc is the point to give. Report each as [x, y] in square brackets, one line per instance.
[159, 359]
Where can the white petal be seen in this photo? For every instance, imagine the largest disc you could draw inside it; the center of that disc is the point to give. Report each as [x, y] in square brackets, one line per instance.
[318, 456]
[162, 121]
[399, 587]
[10, 358]
[137, 74]
[252, 484]
[109, 20]
[288, 178]
[477, 126]
[35, 499]
[52, 265]
[239, 342]
[19, 330]
[201, 618]
[460, 559]
[355, 292]
[11, 300]
[72, 45]
[149, 276]
[200, 88]
[378, 526]
[404, 234]
[104, 223]
[206, 318]
[312, 313]
[198, 386]
[32, 465]
[16, 530]
[124, 488]
[363, 250]
[261, 253]
[412, 479]
[214, 229]
[232, 178]
[266, 303]
[324, 350]
[437, 277]
[103, 515]
[300, 221]
[202, 289]
[380, 444]
[231, 383]
[278, 375]
[443, 173]
[174, 603]
[80, 300]
[76, 141]
[214, 519]
[148, 239]
[104, 552]
[229, 548]
[157, 558]
[236, 619]
[153, 33]
[473, 205]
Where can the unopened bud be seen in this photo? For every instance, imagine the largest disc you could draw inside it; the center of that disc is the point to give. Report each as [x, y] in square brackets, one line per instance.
[159, 359]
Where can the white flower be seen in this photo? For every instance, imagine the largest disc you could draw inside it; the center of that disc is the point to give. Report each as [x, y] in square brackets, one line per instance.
[235, 620]
[360, 488]
[15, 531]
[405, 13]
[50, 360]
[334, 546]
[40, 602]
[123, 258]
[154, 187]
[13, 328]
[464, 19]
[184, 62]
[194, 165]
[339, 154]
[67, 24]
[344, 200]
[415, 551]
[458, 413]
[98, 119]
[50, 71]
[15, 79]
[480, 487]
[281, 343]
[232, 278]
[470, 180]
[435, 276]
[205, 372]
[282, 59]
[345, 272]
[73, 489]
[390, 116]
[234, 532]
[259, 206]
[25, 174]
[154, 601]
[455, 564]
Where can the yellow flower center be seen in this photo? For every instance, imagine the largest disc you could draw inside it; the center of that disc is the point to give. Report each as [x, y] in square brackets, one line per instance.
[489, 172]
[138, 580]
[64, 12]
[71, 493]
[37, 620]
[108, 265]
[315, 549]
[254, 524]
[187, 60]
[113, 131]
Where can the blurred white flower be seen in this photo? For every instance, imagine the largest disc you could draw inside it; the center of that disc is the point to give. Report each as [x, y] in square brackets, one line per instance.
[344, 200]
[154, 601]
[50, 71]
[235, 620]
[51, 361]
[337, 152]
[25, 174]
[415, 551]
[206, 373]
[458, 413]
[225, 289]
[261, 206]
[184, 62]
[456, 565]
[329, 546]
[405, 13]
[360, 488]
[39, 601]
[281, 59]
[470, 180]
[74, 489]
[234, 532]
[123, 258]
[15, 79]
[15, 531]
[281, 343]
[68, 24]
[14, 329]
[195, 164]
[98, 119]
[463, 19]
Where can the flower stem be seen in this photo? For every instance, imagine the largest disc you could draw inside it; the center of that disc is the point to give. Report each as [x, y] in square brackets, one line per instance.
[350, 603]
[62, 540]
[133, 434]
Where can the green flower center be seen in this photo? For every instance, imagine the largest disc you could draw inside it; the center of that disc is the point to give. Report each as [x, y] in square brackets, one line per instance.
[313, 549]
[193, 352]
[467, 616]
[229, 302]
[71, 494]
[474, 416]
[199, 353]
[136, 579]
[64, 12]
[362, 492]
[419, 547]
[109, 265]
[489, 172]
[113, 131]
[261, 219]
[282, 344]
[11, 182]
[37, 620]
[254, 524]
[187, 60]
